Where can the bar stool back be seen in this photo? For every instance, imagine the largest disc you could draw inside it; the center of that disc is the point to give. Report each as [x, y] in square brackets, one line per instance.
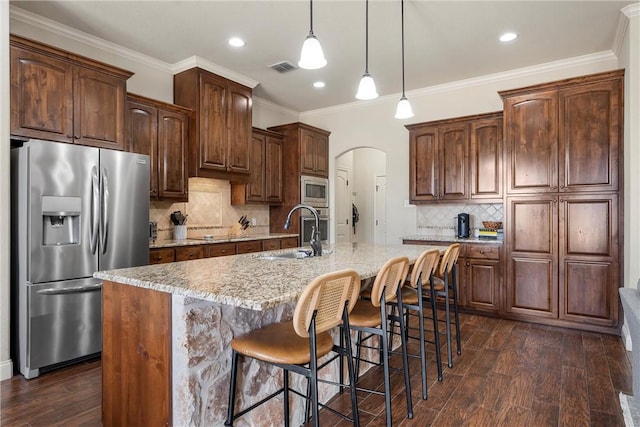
[296, 345]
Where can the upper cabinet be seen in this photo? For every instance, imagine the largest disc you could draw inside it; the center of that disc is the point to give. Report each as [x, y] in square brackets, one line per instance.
[161, 131]
[306, 149]
[564, 136]
[59, 96]
[456, 159]
[220, 131]
[265, 181]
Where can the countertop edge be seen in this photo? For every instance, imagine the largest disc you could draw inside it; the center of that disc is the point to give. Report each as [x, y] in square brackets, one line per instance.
[450, 239]
[160, 244]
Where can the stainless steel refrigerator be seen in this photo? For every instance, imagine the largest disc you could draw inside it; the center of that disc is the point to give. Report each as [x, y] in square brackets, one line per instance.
[75, 210]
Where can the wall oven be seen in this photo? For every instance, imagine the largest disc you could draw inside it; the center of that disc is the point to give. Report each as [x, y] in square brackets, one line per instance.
[314, 191]
[307, 221]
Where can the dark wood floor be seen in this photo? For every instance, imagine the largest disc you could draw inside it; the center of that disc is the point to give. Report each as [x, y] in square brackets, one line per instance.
[509, 374]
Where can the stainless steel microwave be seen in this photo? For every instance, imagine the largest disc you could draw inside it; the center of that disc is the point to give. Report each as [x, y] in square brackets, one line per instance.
[314, 191]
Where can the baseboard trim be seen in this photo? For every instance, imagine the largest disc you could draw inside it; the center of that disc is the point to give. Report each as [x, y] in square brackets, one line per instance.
[6, 369]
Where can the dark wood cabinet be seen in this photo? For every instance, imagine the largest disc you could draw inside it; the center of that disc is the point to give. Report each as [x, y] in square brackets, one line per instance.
[564, 136]
[220, 130]
[265, 181]
[303, 146]
[60, 96]
[186, 253]
[563, 148]
[482, 274]
[162, 255]
[160, 130]
[456, 159]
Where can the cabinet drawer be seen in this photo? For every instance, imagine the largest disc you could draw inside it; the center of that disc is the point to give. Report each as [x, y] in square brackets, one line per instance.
[289, 242]
[189, 252]
[160, 256]
[271, 244]
[483, 251]
[250, 246]
[222, 249]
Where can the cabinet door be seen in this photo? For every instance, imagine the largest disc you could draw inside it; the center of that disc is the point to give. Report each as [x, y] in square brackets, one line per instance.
[161, 256]
[589, 126]
[531, 141]
[99, 109]
[255, 188]
[322, 155]
[212, 131]
[589, 258]
[273, 170]
[249, 246]
[423, 164]
[453, 146]
[173, 131]
[142, 137]
[307, 152]
[41, 96]
[486, 159]
[532, 256]
[482, 278]
[238, 127]
[186, 253]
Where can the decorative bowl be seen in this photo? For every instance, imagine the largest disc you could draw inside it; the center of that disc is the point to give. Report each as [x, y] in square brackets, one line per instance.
[494, 225]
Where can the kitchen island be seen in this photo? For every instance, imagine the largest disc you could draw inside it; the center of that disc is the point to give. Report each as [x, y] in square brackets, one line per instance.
[167, 328]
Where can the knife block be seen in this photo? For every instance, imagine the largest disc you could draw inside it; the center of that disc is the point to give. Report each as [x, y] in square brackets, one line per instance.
[236, 230]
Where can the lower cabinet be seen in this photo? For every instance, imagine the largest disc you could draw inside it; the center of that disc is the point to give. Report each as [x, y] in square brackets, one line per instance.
[185, 253]
[479, 274]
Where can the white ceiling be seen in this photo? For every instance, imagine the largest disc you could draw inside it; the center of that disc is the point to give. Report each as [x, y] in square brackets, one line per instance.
[445, 40]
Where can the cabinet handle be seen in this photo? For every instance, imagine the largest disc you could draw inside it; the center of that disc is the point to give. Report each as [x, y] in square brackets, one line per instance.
[76, 137]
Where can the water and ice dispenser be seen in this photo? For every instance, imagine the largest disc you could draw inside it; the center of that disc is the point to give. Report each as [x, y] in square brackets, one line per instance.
[61, 220]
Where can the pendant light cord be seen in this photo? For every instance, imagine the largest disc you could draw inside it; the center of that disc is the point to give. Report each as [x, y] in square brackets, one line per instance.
[402, 28]
[366, 38]
[310, 16]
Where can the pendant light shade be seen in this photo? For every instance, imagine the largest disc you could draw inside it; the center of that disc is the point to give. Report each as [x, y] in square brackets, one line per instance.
[311, 56]
[404, 110]
[367, 87]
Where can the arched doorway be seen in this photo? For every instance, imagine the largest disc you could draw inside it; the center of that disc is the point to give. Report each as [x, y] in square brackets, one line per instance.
[358, 174]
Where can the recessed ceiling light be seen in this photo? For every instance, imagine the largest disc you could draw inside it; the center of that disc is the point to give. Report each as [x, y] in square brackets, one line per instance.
[507, 37]
[318, 84]
[236, 42]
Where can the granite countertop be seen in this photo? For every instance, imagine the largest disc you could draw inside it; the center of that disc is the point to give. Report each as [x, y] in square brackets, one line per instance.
[219, 239]
[452, 239]
[250, 281]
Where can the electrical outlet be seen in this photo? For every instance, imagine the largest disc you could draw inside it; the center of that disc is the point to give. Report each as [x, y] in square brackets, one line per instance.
[253, 221]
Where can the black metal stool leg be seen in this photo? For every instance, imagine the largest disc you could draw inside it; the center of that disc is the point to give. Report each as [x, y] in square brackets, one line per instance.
[232, 389]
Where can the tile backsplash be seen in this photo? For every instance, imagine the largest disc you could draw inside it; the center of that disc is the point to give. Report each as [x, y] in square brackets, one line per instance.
[441, 219]
[210, 211]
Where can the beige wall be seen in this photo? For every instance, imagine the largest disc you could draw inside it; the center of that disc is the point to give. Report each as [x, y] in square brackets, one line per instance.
[5, 362]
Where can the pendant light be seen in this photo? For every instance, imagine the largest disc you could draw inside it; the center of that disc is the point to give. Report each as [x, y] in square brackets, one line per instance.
[367, 87]
[403, 111]
[311, 56]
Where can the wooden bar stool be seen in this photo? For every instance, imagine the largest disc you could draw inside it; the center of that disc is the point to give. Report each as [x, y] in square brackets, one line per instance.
[413, 299]
[296, 345]
[370, 317]
[446, 286]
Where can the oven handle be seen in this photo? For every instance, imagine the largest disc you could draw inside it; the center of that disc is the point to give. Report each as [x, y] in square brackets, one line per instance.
[72, 290]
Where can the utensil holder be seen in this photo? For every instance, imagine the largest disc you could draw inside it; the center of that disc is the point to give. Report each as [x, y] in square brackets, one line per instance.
[180, 232]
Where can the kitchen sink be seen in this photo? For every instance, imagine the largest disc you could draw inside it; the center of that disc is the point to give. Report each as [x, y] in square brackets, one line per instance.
[287, 255]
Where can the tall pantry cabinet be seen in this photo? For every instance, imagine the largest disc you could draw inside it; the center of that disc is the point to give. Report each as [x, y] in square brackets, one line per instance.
[563, 166]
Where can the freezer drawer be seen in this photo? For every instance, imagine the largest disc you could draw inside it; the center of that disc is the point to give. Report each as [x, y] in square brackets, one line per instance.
[64, 322]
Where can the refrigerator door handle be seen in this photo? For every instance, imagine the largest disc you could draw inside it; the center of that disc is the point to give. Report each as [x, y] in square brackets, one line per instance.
[104, 214]
[95, 206]
[72, 290]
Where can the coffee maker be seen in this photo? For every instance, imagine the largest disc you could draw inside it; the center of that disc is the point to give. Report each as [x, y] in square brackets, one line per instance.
[463, 228]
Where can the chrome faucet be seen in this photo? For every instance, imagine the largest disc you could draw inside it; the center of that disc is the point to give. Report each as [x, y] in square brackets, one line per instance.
[315, 242]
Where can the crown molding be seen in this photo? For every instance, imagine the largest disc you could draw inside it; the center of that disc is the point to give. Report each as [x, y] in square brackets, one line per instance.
[632, 10]
[626, 13]
[84, 38]
[130, 54]
[594, 58]
[196, 61]
[273, 106]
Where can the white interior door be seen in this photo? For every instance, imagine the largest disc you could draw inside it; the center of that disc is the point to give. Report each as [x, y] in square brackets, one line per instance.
[343, 206]
[380, 200]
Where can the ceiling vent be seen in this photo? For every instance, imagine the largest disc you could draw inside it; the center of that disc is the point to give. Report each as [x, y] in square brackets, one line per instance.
[283, 66]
